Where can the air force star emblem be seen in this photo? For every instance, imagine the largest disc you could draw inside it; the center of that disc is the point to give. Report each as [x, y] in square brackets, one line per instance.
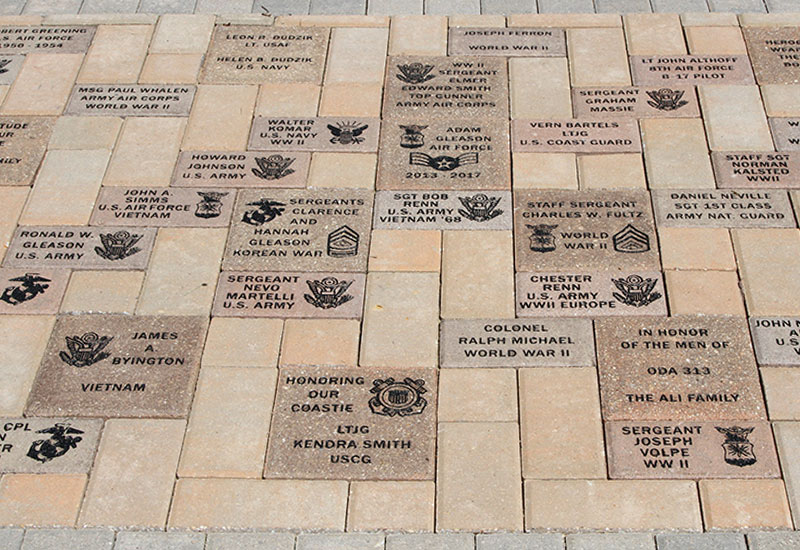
[444, 163]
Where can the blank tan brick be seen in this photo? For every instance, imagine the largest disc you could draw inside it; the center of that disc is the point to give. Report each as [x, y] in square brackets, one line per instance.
[478, 477]
[298, 99]
[565, 20]
[182, 33]
[357, 55]
[617, 171]
[600, 504]
[789, 19]
[781, 100]
[745, 504]
[400, 308]
[418, 35]
[43, 85]
[227, 431]
[332, 21]
[343, 170]
[259, 504]
[21, 349]
[102, 292]
[477, 289]
[478, 395]
[562, 434]
[40, 500]
[769, 268]
[709, 19]
[171, 68]
[85, 132]
[715, 41]
[405, 250]
[696, 248]
[351, 99]
[540, 87]
[183, 271]
[12, 201]
[654, 34]
[676, 154]
[235, 342]
[133, 474]
[597, 57]
[220, 118]
[476, 20]
[320, 342]
[116, 55]
[781, 387]
[146, 151]
[66, 188]
[734, 118]
[544, 171]
[704, 293]
[373, 506]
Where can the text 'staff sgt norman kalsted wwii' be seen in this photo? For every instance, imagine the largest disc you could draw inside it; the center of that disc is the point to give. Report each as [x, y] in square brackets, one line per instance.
[119, 366]
[354, 424]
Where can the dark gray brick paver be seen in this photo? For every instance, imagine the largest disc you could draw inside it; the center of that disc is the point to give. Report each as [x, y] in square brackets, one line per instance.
[679, 6]
[611, 541]
[447, 541]
[738, 6]
[623, 6]
[250, 541]
[507, 7]
[566, 6]
[282, 7]
[338, 541]
[395, 7]
[520, 541]
[11, 539]
[157, 540]
[167, 6]
[701, 541]
[50, 7]
[338, 7]
[81, 539]
[452, 7]
[782, 540]
[109, 6]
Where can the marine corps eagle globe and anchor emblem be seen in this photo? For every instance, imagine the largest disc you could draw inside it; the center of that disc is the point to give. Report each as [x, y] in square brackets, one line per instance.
[391, 398]
[62, 439]
[30, 286]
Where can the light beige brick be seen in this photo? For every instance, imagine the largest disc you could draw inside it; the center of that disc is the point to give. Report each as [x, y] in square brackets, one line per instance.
[478, 477]
[373, 506]
[789, 19]
[483, 20]
[100, 19]
[565, 20]
[704, 293]
[600, 504]
[332, 21]
[781, 100]
[676, 154]
[12, 201]
[744, 504]
[562, 434]
[66, 188]
[183, 271]
[182, 33]
[21, 19]
[654, 34]
[400, 308]
[259, 504]
[709, 19]
[540, 87]
[235, 342]
[544, 171]
[343, 170]
[477, 289]
[133, 474]
[296, 99]
[478, 395]
[787, 438]
[769, 268]
[3, 92]
[320, 342]
[85, 132]
[220, 118]
[617, 171]
[405, 250]
[418, 35]
[696, 248]
[734, 118]
[171, 68]
[715, 41]
[597, 57]
[21, 349]
[102, 292]
[351, 99]
[116, 55]
[781, 387]
[43, 85]
[40, 500]
[357, 55]
[146, 151]
[227, 431]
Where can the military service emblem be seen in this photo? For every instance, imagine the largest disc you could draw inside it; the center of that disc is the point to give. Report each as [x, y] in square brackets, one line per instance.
[391, 398]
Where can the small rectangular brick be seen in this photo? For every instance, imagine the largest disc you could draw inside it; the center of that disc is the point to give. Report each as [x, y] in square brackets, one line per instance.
[109, 6]
[233, 342]
[82, 133]
[478, 395]
[450, 7]
[600, 504]
[220, 118]
[676, 154]
[343, 7]
[593, 48]
[182, 34]
[137, 540]
[769, 267]
[739, 503]
[102, 292]
[504, 7]
[320, 342]
[780, 388]
[351, 99]
[134, 473]
[405, 250]
[545, 171]
[696, 248]
[737, 6]
[704, 292]
[779, 6]
[611, 541]
[520, 541]
[679, 6]
[343, 170]
[621, 170]
[716, 40]
[473, 289]
[86, 539]
[431, 541]
[782, 540]
[28, 96]
[227, 431]
[704, 18]
[117, 54]
[259, 504]
[734, 118]
[560, 424]
[371, 506]
[282, 7]
[224, 6]
[401, 307]
[395, 7]
[475, 489]
[540, 88]
[780, 100]
[250, 541]
[357, 55]
[787, 437]
[183, 271]
[565, 20]
[700, 541]
[652, 34]
[566, 6]
[52, 6]
[20, 355]
[418, 35]
[40, 500]
[145, 152]
[167, 6]
[335, 541]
